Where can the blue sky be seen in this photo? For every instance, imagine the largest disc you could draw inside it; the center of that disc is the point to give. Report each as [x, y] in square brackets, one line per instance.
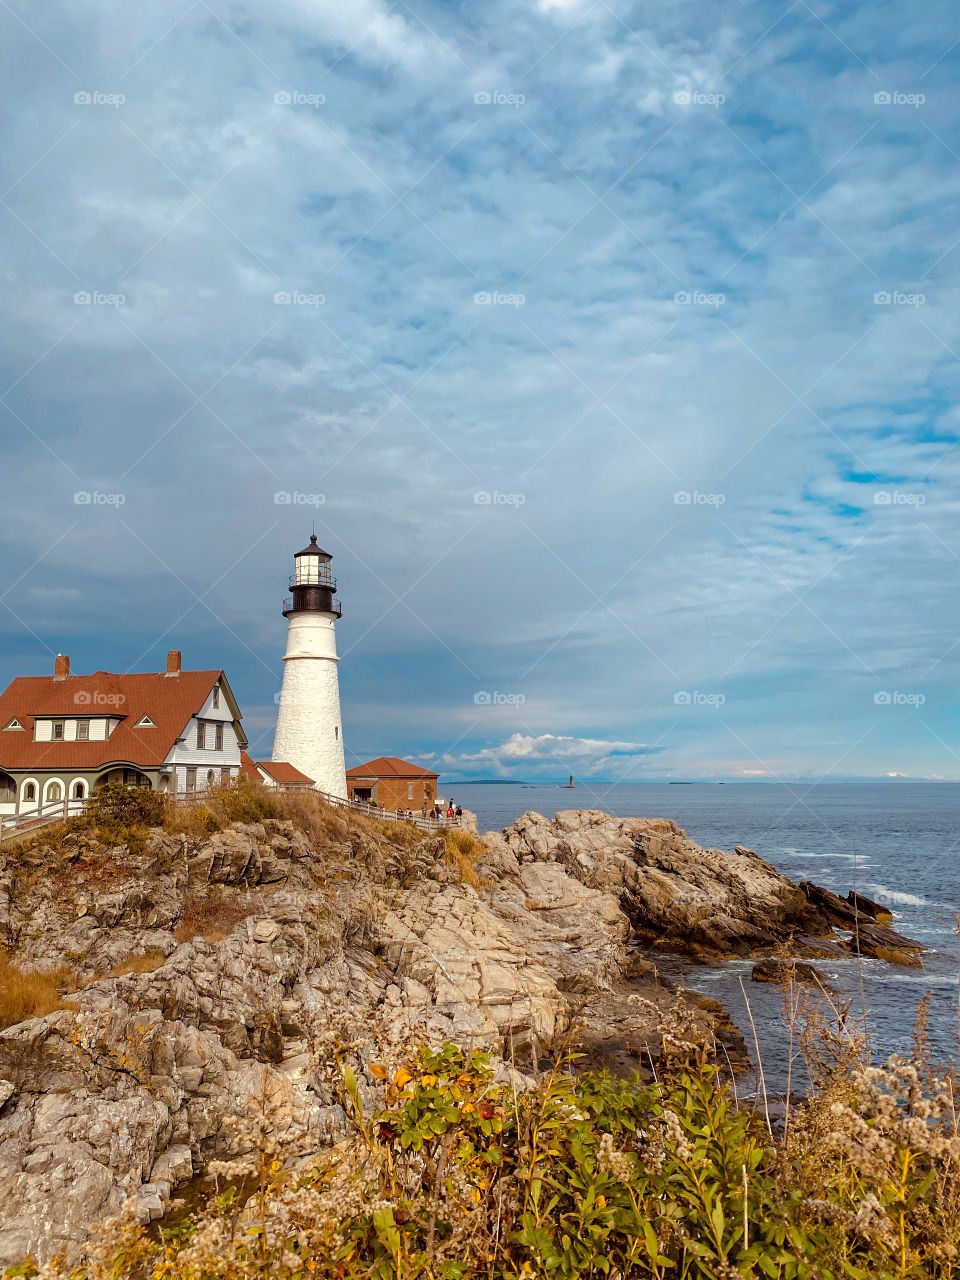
[613, 347]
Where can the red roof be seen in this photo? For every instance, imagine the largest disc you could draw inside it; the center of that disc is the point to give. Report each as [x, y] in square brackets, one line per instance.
[389, 767]
[280, 771]
[248, 768]
[169, 701]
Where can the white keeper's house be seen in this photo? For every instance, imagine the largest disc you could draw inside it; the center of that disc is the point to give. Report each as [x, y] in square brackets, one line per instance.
[62, 736]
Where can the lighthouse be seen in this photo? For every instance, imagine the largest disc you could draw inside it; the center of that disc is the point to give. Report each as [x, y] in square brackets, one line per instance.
[309, 733]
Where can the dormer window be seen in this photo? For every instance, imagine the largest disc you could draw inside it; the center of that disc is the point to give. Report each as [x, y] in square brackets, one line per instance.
[58, 731]
[83, 730]
[145, 723]
[13, 724]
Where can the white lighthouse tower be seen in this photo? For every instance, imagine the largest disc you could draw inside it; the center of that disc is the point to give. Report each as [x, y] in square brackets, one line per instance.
[309, 733]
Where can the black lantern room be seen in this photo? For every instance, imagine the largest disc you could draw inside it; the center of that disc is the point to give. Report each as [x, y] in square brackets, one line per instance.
[312, 584]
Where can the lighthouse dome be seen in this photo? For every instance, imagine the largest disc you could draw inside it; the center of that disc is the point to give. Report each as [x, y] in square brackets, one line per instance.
[313, 550]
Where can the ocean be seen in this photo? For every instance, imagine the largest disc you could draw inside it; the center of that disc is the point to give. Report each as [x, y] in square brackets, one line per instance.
[898, 843]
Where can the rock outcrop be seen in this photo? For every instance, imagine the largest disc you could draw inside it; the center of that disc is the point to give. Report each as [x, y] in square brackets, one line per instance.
[207, 976]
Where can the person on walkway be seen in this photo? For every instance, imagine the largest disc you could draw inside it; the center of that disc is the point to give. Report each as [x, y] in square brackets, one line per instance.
[423, 811]
[449, 812]
[409, 813]
[459, 812]
[382, 811]
[399, 811]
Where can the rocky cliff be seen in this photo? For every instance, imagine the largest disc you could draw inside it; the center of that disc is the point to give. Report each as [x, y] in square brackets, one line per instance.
[199, 971]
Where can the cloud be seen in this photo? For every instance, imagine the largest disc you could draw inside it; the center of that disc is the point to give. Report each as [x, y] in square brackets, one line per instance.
[797, 400]
[537, 753]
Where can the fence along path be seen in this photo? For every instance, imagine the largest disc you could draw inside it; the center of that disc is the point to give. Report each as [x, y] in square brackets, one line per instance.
[59, 810]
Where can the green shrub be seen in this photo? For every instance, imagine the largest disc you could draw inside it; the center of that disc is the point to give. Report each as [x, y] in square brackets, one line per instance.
[456, 1177]
[116, 804]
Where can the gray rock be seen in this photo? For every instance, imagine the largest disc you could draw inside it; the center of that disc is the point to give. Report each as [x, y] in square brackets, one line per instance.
[139, 1083]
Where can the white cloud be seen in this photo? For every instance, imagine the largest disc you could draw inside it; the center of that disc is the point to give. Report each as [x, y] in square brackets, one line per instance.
[369, 29]
[588, 755]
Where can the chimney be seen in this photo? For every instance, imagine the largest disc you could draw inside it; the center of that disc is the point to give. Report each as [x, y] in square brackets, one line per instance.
[174, 662]
[61, 667]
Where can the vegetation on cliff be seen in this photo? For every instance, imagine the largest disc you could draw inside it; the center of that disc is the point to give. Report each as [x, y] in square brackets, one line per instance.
[457, 1176]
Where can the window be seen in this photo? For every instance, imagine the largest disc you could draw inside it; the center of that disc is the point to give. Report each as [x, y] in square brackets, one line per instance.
[83, 733]
[218, 740]
[201, 735]
[131, 778]
[14, 724]
[191, 779]
[54, 792]
[58, 731]
[336, 732]
[224, 776]
[30, 791]
[216, 695]
[79, 791]
[144, 723]
[211, 778]
[409, 790]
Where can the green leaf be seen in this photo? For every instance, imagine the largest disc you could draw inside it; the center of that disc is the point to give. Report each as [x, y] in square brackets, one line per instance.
[387, 1232]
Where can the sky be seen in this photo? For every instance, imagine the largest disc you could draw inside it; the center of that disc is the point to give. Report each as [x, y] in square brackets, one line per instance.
[612, 349]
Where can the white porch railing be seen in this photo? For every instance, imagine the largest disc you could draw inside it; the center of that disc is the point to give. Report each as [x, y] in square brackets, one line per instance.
[52, 811]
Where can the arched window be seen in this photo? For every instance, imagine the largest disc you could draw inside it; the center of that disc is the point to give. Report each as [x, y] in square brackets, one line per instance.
[54, 792]
[30, 791]
[211, 777]
[79, 791]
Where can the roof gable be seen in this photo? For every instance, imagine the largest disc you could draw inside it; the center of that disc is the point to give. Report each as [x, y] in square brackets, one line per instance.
[390, 767]
[168, 701]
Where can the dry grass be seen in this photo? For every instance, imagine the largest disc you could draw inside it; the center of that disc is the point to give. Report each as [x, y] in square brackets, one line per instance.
[463, 851]
[29, 993]
[211, 916]
[143, 962]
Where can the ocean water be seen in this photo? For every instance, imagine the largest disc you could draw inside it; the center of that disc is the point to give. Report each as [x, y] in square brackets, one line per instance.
[898, 843]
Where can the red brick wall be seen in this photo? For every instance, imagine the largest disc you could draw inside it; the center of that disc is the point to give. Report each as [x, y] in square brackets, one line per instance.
[407, 793]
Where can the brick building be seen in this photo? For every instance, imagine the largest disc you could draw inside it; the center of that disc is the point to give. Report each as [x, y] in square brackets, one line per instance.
[396, 784]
